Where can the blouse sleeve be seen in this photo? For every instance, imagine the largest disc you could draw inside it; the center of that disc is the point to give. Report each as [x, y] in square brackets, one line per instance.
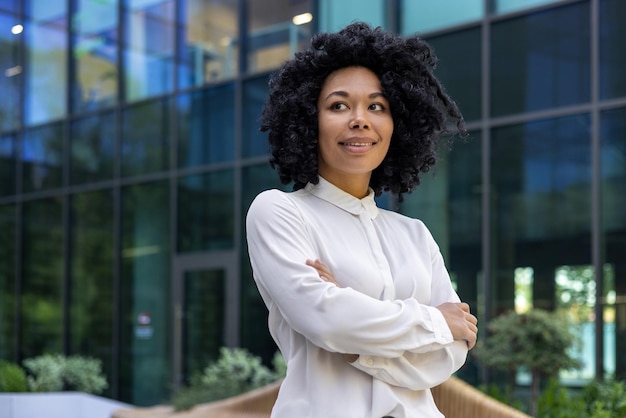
[336, 319]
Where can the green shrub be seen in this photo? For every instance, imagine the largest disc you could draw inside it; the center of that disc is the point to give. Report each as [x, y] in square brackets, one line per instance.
[595, 400]
[55, 373]
[12, 377]
[608, 396]
[235, 372]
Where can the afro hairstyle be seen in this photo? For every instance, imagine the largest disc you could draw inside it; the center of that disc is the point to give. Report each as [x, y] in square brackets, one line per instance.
[420, 108]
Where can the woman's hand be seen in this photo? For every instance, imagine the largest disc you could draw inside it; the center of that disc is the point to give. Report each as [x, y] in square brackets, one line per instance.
[323, 271]
[461, 322]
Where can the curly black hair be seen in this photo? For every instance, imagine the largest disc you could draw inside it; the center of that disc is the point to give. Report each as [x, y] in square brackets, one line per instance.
[420, 108]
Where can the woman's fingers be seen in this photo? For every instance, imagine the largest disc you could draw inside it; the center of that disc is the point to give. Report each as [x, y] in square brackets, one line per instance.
[322, 270]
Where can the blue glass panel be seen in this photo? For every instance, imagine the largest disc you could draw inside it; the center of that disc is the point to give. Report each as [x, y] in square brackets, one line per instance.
[42, 158]
[459, 69]
[7, 165]
[12, 72]
[612, 52]
[92, 143]
[504, 6]
[46, 54]
[9, 6]
[541, 60]
[94, 27]
[146, 138]
[208, 41]
[206, 126]
[255, 93]
[335, 15]
[149, 48]
[423, 16]
[276, 30]
[206, 211]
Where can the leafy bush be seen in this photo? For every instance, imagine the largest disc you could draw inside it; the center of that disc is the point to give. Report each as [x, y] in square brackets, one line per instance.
[596, 400]
[12, 377]
[235, 372]
[55, 373]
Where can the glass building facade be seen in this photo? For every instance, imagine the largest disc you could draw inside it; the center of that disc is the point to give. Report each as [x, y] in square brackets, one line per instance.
[130, 151]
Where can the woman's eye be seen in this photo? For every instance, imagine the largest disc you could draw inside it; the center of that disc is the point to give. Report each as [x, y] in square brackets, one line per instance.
[377, 106]
[338, 106]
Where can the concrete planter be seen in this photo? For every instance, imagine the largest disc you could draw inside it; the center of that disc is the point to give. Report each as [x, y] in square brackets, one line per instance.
[57, 405]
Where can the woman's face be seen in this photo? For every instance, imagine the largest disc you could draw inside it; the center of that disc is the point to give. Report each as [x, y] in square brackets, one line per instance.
[355, 127]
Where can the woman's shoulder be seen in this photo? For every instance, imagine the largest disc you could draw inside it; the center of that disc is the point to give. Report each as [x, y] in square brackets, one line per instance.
[270, 202]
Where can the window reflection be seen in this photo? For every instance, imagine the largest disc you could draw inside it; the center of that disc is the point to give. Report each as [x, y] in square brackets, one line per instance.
[8, 302]
[504, 6]
[209, 43]
[42, 156]
[42, 281]
[145, 138]
[206, 207]
[149, 48]
[274, 34]
[92, 142]
[46, 54]
[422, 16]
[335, 15]
[255, 93]
[11, 72]
[541, 60]
[612, 76]
[206, 126]
[9, 6]
[7, 165]
[91, 304]
[145, 284]
[459, 69]
[94, 26]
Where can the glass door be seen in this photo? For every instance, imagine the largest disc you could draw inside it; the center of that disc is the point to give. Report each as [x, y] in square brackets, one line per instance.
[205, 311]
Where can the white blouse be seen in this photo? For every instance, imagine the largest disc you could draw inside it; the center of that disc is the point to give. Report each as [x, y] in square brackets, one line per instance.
[392, 276]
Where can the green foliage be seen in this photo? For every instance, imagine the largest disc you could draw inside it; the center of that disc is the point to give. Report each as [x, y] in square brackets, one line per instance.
[235, 372]
[596, 400]
[12, 377]
[537, 340]
[54, 373]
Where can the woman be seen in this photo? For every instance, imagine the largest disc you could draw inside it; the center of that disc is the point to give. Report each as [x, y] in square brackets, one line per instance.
[360, 302]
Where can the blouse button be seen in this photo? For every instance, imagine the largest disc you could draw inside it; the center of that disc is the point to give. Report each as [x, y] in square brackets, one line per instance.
[370, 362]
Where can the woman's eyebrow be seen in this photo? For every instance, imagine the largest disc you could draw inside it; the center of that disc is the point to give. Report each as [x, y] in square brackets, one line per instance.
[342, 93]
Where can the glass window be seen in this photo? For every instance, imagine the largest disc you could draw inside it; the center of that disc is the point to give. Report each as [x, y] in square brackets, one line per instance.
[7, 165]
[42, 156]
[612, 51]
[424, 16]
[541, 60]
[8, 301]
[541, 209]
[209, 41]
[145, 354]
[149, 48]
[206, 210]
[91, 303]
[94, 27]
[504, 6]
[276, 30]
[459, 69]
[42, 282]
[255, 93]
[146, 138]
[46, 54]
[613, 172]
[92, 142]
[335, 15]
[11, 72]
[9, 6]
[206, 127]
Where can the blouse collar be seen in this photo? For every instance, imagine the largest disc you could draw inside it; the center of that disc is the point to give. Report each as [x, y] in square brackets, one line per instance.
[327, 191]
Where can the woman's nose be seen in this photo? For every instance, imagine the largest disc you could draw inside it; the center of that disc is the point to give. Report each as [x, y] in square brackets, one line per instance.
[359, 121]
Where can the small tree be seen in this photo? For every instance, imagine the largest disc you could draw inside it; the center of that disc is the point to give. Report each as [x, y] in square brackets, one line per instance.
[537, 341]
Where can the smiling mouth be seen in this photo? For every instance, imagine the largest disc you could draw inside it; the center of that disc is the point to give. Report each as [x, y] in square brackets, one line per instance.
[358, 144]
